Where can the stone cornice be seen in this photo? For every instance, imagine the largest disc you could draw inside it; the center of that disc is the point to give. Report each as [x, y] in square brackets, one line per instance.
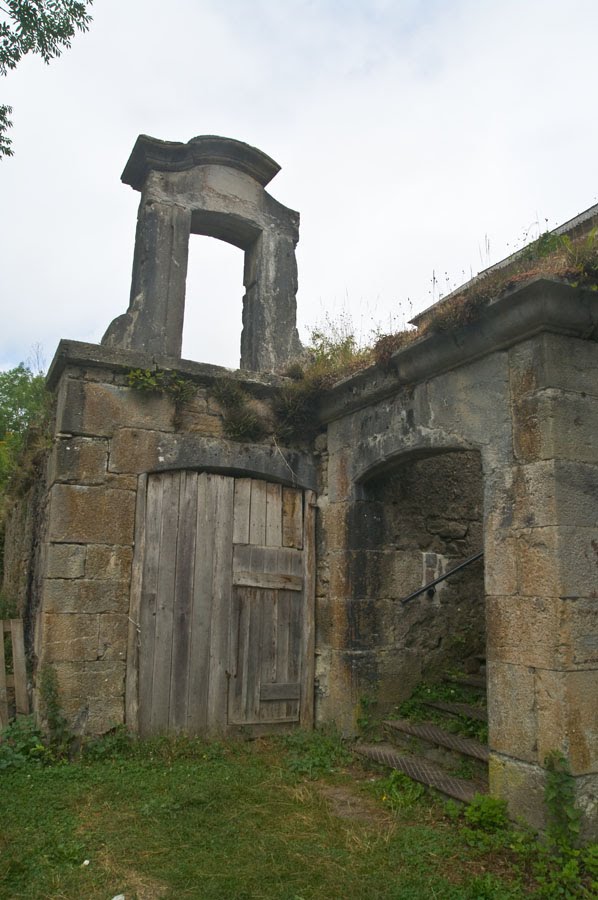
[173, 156]
[77, 353]
[541, 305]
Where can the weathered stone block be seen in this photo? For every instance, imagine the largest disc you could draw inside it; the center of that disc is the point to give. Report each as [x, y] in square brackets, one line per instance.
[341, 434]
[366, 624]
[92, 408]
[553, 492]
[554, 361]
[78, 460]
[83, 596]
[113, 633]
[523, 784]
[557, 561]
[338, 574]
[567, 716]
[512, 715]
[337, 691]
[91, 515]
[555, 424]
[333, 525]
[105, 596]
[121, 482]
[459, 403]
[65, 561]
[340, 478]
[69, 637]
[202, 424]
[105, 714]
[546, 632]
[99, 679]
[108, 562]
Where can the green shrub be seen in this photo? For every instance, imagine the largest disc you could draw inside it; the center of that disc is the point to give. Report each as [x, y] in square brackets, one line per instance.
[487, 813]
[316, 753]
[401, 792]
[22, 743]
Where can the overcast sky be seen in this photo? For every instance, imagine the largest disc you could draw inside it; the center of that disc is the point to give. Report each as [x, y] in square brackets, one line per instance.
[415, 137]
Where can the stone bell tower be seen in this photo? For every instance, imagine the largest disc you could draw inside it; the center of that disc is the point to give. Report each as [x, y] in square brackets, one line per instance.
[213, 186]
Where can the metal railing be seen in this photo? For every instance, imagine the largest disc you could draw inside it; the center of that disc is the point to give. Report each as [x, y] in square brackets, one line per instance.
[430, 588]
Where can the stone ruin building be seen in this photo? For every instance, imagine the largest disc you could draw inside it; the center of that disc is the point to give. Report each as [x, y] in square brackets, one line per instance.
[177, 578]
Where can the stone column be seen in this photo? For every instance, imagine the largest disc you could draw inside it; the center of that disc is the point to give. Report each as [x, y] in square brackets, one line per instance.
[269, 338]
[542, 581]
[154, 320]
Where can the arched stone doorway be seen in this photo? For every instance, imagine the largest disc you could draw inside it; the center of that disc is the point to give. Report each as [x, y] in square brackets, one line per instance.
[415, 521]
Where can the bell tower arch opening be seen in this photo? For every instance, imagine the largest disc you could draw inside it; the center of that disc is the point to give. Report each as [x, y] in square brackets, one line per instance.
[213, 302]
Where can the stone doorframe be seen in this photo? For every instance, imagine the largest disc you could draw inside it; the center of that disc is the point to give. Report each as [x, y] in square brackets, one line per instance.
[212, 186]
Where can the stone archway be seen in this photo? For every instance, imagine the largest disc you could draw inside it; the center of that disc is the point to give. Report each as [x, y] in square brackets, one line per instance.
[429, 513]
[216, 187]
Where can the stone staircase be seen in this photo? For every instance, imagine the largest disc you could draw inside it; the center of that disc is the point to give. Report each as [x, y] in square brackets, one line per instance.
[433, 751]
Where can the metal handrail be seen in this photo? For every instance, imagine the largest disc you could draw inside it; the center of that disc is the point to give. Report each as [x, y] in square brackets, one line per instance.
[430, 588]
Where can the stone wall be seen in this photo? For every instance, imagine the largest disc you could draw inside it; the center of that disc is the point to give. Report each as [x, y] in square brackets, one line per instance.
[504, 409]
[107, 434]
[517, 387]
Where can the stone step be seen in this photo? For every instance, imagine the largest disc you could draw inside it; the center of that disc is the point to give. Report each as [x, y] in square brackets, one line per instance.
[458, 709]
[423, 771]
[475, 681]
[433, 734]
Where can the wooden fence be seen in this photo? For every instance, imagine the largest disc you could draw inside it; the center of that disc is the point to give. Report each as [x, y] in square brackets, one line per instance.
[14, 700]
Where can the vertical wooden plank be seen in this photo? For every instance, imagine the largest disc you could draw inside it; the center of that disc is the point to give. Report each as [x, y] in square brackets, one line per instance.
[220, 637]
[19, 667]
[3, 691]
[201, 616]
[272, 710]
[165, 602]
[133, 642]
[149, 589]
[183, 600]
[308, 630]
[292, 518]
[273, 515]
[295, 602]
[239, 652]
[257, 513]
[252, 709]
[242, 504]
[282, 641]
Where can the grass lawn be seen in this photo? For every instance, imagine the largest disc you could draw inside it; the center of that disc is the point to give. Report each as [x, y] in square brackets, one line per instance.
[291, 818]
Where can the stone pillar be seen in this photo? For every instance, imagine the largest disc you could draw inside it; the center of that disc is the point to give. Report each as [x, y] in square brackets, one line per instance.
[269, 337]
[154, 320]
[542, 581]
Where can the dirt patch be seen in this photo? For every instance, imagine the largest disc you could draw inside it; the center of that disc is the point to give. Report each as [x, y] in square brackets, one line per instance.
[346, 803]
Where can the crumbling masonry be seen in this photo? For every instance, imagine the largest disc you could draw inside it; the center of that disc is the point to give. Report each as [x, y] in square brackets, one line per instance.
[175, 578]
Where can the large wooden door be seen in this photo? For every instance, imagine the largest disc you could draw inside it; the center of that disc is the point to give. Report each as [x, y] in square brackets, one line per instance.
[222, 629]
